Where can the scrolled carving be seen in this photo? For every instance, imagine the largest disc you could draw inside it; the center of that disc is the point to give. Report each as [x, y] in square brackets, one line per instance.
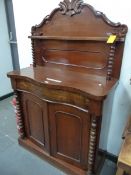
[104, 17]
[71, 8]
[122, 31]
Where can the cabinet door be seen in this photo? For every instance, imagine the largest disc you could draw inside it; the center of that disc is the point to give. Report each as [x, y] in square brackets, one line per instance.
[36, 120]
[69, 129]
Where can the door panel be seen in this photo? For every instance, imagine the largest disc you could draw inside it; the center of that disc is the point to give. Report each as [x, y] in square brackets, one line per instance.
[69, 134]
[36, 120]
[68, 137]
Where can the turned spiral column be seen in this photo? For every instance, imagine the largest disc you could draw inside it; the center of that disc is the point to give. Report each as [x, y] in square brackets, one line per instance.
[33, 53]
[92, 146]
[20, 124]
[111, 61]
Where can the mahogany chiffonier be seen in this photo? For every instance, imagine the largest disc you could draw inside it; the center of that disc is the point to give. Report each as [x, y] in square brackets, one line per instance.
[60, 98]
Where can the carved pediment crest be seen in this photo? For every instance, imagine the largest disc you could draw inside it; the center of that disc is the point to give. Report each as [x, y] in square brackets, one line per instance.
[71, 8]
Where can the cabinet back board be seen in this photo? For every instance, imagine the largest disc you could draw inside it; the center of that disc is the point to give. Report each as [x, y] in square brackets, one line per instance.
[75, 35]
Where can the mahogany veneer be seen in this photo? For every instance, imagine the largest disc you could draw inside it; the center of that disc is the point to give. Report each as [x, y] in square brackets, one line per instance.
[60, 98]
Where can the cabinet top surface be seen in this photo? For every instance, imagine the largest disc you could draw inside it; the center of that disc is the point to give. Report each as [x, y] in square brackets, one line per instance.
[62, 77]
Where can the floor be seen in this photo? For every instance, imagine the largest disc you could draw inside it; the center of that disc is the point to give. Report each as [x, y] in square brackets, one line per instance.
[14, 160]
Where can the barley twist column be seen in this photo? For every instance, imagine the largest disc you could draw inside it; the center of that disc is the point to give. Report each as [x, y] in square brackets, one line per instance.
[19, 118]
[92, 146]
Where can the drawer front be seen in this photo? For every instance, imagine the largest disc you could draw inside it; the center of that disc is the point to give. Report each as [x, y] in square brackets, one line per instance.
[56, 95]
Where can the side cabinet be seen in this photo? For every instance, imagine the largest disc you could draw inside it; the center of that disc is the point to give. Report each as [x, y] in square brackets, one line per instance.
[59, 99]
[36, 120]
[69, 128]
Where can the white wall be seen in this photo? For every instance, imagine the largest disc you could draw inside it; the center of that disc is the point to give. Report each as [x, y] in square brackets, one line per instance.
[118, 104]
[5, 53]
[27, 14]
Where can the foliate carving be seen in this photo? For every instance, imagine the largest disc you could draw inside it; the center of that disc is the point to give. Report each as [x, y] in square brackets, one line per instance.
[111, 61]
[20, 124]
[92, 146]
[71, 7]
